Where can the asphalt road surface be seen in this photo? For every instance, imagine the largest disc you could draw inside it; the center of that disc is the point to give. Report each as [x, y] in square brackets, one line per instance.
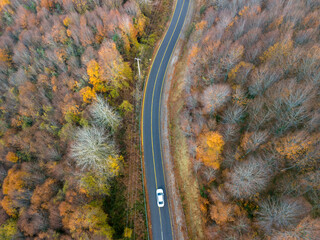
[154, 170]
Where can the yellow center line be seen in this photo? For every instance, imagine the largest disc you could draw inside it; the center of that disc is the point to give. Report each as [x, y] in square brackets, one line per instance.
[145, 87]
[144, 95]
[159, 114]
[152, 98]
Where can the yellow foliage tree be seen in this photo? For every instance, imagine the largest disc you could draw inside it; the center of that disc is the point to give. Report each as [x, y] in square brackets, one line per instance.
[126, 106]
[12, 157]
[84, 221]
[3, 3]
[4, 56]
[80, 5]
[115, 163]
[141, 24]
[94, 77]
[127, 233]
[278, 50]
[88, 94]
[66, 21]
[210, 146]
[8, 229]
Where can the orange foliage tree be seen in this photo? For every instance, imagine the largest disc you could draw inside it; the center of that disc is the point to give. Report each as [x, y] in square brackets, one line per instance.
[300, 149]
[3, 3]
[113, 70]
[210, 146]
[43, 193]
[9, 207]
[14, 181]
[293, 146]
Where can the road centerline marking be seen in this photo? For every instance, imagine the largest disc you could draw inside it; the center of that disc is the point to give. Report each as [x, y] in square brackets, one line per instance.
[152, 98]
[155, 82]
[154, 86]
[159, 113]
[146, 85]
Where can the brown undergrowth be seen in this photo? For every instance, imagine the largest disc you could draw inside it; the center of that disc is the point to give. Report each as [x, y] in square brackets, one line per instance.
[188, 184]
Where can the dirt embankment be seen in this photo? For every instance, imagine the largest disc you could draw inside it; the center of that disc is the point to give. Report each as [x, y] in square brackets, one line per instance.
[183, 190]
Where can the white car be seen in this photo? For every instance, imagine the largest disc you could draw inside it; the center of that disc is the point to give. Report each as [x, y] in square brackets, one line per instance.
[160, 197]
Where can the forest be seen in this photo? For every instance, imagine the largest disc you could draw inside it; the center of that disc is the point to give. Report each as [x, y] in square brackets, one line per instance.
[251, 117]
[67, 92]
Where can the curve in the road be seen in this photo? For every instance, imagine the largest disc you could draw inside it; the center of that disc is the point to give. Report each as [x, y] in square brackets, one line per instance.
[150, 121]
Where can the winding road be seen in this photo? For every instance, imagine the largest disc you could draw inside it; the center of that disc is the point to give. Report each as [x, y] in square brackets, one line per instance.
[150, 125]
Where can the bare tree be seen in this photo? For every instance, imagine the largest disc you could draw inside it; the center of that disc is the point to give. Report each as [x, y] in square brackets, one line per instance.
[308, 229]
[314, 122]
[214, 97]
[309, 67]
[86, 35]
[234, 115]
[88, 55]
[248, 178]
[209, 173]
[197, 166]
[92, 149]
[262, 78]
[231, 132]
[132, 8]
[254, 140]
[290, 109]
[233, 56]
[259, 114]
[103, 115]
[278, 214]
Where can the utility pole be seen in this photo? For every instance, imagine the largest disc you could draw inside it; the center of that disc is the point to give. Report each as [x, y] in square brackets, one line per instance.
[138, 60]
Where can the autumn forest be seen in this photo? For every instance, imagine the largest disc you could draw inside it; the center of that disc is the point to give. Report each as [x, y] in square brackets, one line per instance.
[67, 97]
[251, 117]
[69, 117]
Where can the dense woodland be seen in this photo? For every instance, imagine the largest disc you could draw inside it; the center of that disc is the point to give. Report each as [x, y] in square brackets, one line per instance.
[66, 83]
[252, 120]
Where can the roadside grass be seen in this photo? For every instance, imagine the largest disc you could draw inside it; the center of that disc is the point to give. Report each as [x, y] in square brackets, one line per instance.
[188, 184]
